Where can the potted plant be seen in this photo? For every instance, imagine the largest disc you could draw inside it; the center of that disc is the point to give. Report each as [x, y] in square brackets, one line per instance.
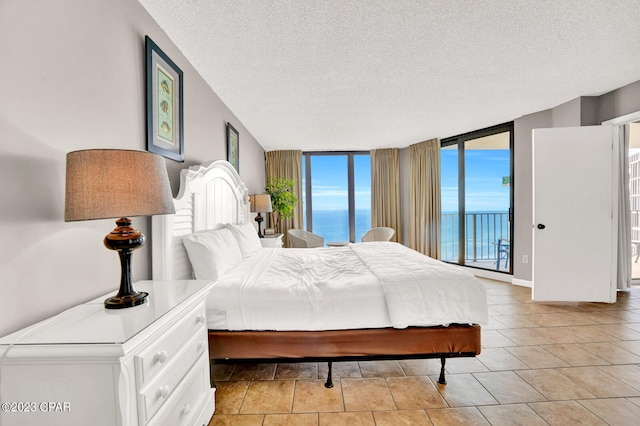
[282, 199]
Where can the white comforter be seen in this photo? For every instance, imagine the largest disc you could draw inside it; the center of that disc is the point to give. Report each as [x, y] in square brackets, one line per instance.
[364, 285]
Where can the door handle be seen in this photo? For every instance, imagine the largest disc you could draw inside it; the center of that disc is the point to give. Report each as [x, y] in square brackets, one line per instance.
[541, 226]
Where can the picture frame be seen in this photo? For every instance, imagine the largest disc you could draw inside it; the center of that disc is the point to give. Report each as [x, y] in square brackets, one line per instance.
[164, 93]
[233, 147]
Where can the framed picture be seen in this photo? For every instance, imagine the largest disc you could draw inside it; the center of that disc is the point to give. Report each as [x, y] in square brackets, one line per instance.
[233, 147]
[165, 132]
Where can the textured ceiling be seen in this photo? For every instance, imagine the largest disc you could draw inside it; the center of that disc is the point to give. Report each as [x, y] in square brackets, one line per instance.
[362, 74]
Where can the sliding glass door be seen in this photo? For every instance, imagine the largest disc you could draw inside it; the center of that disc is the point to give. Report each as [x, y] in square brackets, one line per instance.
[476, 170]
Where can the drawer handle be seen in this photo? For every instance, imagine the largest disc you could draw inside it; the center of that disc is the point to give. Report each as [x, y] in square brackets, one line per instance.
[201, 345]
[160, 357]
[200, 319]
[186, 409]
[163, 392]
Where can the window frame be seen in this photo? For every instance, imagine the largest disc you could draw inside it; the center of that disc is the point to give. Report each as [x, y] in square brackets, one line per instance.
[308, 208]
[460, 141]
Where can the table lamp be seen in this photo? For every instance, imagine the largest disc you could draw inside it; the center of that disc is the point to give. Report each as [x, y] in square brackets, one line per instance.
[260, 203]
[113, 183]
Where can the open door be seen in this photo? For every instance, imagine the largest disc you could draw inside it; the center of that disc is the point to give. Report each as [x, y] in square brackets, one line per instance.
[574, 214]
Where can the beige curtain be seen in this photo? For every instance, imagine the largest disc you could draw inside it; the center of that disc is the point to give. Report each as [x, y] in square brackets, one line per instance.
[288, 165]
[385, 190]
[424, 197]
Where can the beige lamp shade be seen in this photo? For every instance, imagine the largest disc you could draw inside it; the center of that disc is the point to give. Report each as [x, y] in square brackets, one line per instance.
[260, 203]
[113, 183]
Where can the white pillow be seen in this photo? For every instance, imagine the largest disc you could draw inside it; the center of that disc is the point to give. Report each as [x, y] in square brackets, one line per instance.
[247, 238]
[212, 253]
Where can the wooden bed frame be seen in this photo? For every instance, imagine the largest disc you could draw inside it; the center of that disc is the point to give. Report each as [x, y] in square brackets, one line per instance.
[212, 195]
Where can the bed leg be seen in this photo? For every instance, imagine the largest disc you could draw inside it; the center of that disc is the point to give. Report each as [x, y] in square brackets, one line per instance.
[211, 382]
[329, 383]
[441, 379]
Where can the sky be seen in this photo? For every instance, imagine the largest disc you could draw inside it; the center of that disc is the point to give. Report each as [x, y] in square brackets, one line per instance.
[484, 170]
[484, 187]
[330, 182]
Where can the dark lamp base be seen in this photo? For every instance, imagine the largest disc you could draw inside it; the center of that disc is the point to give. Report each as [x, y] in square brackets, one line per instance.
[124, 239]
[259, 219]
[127, 301]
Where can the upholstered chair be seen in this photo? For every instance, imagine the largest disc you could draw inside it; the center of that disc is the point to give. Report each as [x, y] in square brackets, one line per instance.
[304, 239]
[378, 234]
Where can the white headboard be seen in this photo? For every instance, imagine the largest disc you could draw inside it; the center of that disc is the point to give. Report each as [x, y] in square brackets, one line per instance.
[210, 196]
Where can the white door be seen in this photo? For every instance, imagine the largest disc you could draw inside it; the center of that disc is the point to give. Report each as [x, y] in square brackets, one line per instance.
[574, 203]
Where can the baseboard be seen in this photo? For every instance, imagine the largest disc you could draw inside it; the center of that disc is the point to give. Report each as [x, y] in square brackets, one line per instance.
[523, 283]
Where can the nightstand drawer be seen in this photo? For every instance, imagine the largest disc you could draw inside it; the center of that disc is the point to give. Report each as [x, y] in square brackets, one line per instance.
[189, 400]
[161, 388]
[161, 353]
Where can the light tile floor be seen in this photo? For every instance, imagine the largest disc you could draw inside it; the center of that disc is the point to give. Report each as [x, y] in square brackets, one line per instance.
[541, 364]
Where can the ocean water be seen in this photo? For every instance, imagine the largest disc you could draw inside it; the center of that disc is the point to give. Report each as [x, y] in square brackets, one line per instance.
[333, 225]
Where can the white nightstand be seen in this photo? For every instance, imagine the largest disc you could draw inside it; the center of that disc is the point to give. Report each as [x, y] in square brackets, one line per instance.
[274, 240]
[147, 365]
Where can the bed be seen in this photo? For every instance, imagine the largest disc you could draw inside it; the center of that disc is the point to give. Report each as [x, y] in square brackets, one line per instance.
[393, 315]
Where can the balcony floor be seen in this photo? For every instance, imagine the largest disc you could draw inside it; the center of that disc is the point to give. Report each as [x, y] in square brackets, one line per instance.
[490, 265]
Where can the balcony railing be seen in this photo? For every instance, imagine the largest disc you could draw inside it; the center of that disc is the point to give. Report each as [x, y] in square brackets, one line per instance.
[482, 230]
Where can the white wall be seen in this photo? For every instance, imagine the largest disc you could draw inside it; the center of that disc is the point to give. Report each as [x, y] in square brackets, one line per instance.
[584, 111]
[72, 77]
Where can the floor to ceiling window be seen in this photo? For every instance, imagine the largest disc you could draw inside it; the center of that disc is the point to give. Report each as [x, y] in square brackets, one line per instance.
[476, 170]
[337, 194]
